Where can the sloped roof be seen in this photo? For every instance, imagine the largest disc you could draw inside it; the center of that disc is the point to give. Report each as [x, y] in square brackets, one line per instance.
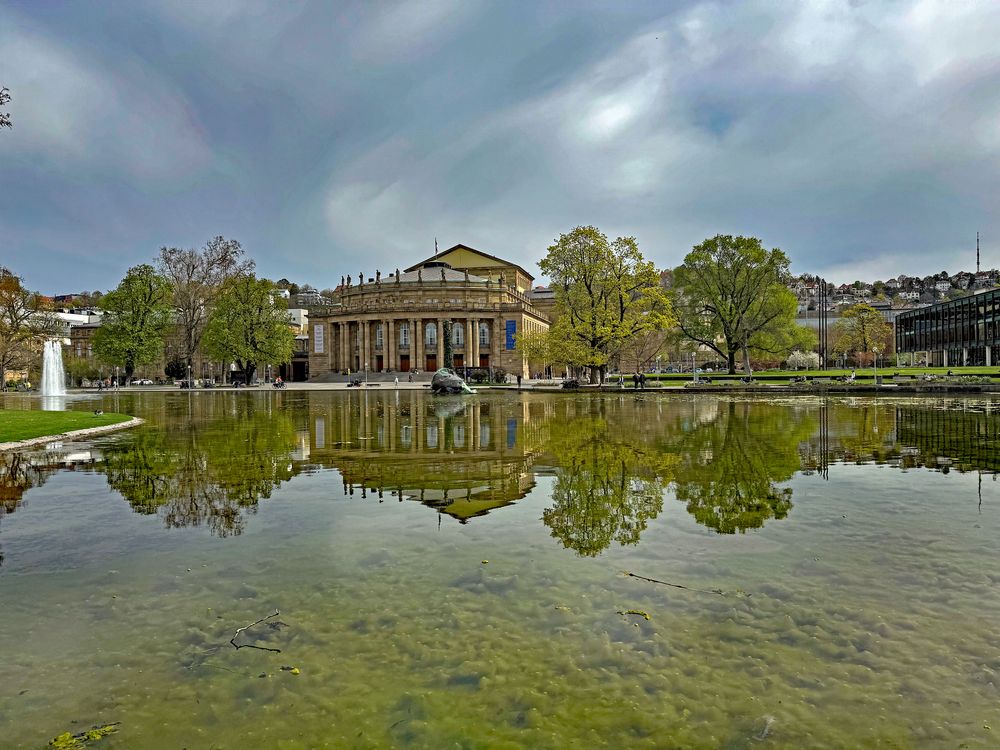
[460, 246]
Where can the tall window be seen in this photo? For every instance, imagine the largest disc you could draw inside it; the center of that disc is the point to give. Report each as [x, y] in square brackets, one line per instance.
[457, 334]
[378, 336]
[431, 335]
[484, 334]
[404, 334]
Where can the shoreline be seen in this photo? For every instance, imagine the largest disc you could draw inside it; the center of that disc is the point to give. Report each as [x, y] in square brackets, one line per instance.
[71, 435]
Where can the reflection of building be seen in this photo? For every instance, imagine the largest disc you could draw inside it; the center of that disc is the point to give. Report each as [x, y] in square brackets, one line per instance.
[939, 438]
[395, 322]
[464, 457]
[964, 331]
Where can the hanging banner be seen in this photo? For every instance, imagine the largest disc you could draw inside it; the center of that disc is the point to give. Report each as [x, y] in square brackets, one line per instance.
[318, 343]
[511, 329]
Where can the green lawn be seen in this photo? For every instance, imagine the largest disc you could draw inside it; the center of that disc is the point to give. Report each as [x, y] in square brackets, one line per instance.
[24, 425]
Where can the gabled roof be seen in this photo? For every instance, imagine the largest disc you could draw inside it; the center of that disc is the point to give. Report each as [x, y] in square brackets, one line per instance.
[460, 246]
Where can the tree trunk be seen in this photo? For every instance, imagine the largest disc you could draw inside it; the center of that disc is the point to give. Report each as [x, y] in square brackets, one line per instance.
[732, 362]
[746, 359]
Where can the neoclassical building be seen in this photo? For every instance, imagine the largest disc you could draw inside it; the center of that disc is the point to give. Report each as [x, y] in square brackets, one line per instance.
[395, 322]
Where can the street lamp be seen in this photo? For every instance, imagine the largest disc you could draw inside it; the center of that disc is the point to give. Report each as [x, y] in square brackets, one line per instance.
[875, 364]
[366, 373]
[190, 384]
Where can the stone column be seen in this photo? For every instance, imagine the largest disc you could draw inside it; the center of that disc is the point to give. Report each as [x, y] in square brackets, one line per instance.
[418, 344]
[363, 346]
[440, 349]
[468, 343]
[475, 342]
[389, 344]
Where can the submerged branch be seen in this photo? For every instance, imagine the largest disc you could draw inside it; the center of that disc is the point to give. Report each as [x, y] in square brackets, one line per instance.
[250, 645]
[720, 592]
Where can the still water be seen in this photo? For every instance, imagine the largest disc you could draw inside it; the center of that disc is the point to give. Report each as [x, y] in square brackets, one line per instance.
[451, 573]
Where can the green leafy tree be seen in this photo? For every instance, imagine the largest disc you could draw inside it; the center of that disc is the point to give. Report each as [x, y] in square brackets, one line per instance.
[136, 315]
[196, 278]
[248, 326]
[25, 323]
[862, 329]
[731, 296]
[606, 293]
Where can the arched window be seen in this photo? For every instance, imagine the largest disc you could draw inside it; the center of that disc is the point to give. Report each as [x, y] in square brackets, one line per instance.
[431, 334]
[378, 336]
[457, 334]
[484, 334]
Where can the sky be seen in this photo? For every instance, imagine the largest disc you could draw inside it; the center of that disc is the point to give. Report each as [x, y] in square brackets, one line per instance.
[329, 138]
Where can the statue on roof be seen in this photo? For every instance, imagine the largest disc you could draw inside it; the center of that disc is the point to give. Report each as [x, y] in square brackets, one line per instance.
[378, 277]
[466, 275]
[442, 274]
[420, 274]
[341, 279]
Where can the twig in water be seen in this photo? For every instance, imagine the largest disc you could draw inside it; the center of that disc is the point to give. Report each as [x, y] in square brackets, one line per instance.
[720, 592]
[250, 645]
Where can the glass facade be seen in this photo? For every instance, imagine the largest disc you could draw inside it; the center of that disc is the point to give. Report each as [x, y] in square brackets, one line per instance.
[964, 331]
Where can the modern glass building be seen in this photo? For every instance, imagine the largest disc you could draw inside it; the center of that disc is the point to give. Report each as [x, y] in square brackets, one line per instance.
[964, 331]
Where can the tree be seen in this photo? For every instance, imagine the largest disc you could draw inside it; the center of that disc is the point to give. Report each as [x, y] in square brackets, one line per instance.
[731, 296]
[605, 294]
[136, 315]
[862, 328]
[799, 360]
[5, 121]
[25, 323]
[248, 327]
[196, 279]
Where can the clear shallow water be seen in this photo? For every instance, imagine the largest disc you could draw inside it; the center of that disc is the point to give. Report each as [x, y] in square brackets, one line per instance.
[853, 542]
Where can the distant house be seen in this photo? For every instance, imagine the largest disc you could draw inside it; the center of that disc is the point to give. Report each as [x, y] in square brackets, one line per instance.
[943, 286]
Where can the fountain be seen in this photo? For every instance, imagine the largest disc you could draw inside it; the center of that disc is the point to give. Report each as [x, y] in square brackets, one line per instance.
[53, 374]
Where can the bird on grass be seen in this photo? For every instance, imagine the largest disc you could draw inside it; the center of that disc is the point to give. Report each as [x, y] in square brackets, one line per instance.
[98, 412]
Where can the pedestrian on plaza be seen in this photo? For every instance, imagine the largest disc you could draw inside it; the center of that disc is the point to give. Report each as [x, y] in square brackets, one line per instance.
[642, 380]
[519, 381]
[635, 380]
[396, 380]
[411, 377]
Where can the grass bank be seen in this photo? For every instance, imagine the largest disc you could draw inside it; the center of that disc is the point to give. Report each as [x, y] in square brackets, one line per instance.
[25, 425]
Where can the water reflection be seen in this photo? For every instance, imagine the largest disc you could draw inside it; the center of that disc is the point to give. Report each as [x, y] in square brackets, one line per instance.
[205, 468]
[444, 453]
[611, 460]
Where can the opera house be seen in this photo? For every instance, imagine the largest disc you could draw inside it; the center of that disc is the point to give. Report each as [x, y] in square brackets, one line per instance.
[395, 322]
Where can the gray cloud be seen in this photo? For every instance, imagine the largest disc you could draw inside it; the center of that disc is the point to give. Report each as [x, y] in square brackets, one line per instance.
[863, 139]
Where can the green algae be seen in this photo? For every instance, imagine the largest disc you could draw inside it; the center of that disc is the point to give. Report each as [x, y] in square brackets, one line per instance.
[871, 620]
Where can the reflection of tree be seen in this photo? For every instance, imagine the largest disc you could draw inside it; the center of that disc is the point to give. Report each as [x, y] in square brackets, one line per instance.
[19, 472]
[207, 470]
[607, 486]
[729, 466]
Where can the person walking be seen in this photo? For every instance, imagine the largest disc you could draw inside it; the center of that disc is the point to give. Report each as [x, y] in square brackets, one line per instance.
[396, 382]
[519, 381]
[642, 380]
[635, 380]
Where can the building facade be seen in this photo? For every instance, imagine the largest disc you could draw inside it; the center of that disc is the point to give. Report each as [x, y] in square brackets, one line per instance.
[397, 323]
[964, 331]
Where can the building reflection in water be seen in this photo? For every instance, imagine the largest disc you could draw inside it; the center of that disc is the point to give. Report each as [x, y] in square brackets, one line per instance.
[609, 460]
[463, 456]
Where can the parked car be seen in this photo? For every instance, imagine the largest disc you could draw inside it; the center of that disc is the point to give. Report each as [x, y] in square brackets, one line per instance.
[142, 381]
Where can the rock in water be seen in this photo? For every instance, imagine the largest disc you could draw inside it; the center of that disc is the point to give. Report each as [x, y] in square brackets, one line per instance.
[445, 381]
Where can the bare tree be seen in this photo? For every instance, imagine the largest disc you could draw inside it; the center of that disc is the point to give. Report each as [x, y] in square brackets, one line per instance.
[196, 278]
[5, 121]
[25, 323]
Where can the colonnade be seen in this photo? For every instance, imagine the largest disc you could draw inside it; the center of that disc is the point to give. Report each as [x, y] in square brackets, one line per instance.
[402, 346]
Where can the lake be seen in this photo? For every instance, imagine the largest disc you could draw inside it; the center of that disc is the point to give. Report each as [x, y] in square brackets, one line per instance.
[454, 572]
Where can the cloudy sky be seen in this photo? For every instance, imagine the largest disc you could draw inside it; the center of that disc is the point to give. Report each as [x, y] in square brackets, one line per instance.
[338, 137]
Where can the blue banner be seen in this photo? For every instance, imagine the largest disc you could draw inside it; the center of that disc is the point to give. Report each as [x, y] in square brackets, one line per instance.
[511, 330]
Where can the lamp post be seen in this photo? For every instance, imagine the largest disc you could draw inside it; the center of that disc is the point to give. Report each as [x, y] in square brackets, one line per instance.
[694, 370]
[366, 373]
[875, 364]
[190, 384]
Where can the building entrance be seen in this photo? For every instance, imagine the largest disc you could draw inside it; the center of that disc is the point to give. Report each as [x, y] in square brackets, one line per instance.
[404, 362]
[432, 363]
